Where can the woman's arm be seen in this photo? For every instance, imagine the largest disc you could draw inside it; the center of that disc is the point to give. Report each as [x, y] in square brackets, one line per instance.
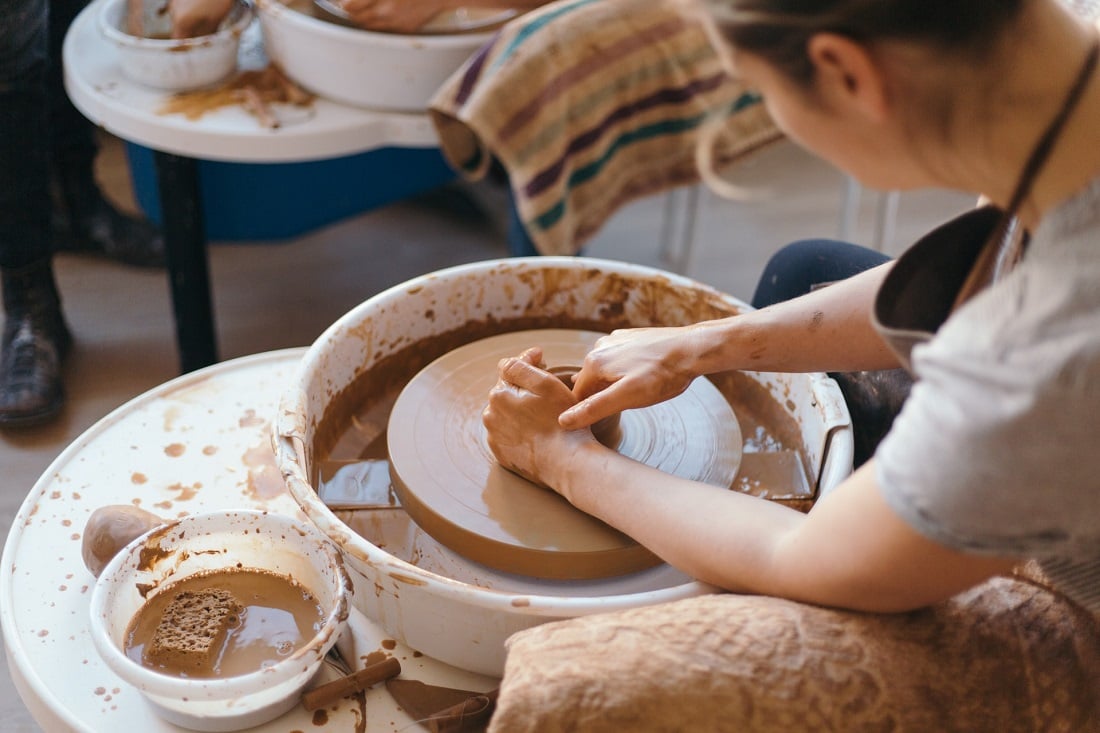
[827, 330]
[850, 551]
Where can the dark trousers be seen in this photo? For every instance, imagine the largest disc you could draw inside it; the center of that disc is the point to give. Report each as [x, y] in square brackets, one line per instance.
[874, 398]
[40, 130]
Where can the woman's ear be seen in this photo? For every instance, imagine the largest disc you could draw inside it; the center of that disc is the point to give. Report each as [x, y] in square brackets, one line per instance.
[847, 74]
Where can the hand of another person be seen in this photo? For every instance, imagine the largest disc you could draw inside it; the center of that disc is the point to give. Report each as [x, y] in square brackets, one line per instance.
[192, 18]
[396, 16]
[522, 419]
[631, 368]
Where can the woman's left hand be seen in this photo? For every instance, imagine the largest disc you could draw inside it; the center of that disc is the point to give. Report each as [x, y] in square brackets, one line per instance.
[395, 16]
[522, 420]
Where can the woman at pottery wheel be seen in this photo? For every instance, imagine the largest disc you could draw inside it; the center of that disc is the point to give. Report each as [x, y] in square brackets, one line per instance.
[996, 315]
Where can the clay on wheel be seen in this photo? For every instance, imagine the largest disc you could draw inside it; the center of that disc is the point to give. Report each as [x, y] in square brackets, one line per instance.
[452, 486]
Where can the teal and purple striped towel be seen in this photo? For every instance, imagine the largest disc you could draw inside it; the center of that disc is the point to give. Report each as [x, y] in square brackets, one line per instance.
[590, 104]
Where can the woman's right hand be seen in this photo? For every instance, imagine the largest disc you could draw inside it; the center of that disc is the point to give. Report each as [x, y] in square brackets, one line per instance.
[631, 368]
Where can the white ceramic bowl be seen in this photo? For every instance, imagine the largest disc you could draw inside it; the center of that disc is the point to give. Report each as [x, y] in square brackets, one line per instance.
[430, 598]
[362, 68]
[175, 64]
[211, 541]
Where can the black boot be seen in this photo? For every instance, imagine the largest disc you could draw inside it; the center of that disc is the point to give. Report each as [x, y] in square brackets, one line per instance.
[84, 221]
[35, 342]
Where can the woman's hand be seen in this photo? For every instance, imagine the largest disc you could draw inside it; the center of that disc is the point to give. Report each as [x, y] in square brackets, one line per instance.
[631, 368]
[409, 16]
[522, 420]
[395, 16]
[192, 18]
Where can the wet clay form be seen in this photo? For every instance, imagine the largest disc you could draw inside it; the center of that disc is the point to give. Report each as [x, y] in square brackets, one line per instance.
[451, 485]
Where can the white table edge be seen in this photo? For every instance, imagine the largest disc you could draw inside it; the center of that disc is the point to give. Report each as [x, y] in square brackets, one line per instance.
[98, 88]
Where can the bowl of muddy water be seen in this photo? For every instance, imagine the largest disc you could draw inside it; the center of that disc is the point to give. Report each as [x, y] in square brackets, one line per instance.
[331, 442]
[220, 620]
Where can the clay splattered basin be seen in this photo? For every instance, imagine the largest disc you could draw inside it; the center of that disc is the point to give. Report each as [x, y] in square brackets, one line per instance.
[425, 595]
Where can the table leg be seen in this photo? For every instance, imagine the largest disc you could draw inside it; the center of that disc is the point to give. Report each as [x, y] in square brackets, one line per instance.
[185, 249]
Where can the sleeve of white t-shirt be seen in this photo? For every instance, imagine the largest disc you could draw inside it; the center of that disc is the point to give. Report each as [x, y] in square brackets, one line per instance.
[997, 449]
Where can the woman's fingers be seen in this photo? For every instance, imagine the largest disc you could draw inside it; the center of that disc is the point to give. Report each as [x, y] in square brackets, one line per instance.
[521, 416]
[586, 382]
[525, 372]
[594, 408]
[627, 369]
[533, 356]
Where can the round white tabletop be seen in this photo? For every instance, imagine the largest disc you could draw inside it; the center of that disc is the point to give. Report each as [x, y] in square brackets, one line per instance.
[200, 442]
[325, 129]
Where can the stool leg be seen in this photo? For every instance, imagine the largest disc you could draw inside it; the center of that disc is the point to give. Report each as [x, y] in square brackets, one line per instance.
[185, 250]
[668, 224]
[678, 228]
[849, 210]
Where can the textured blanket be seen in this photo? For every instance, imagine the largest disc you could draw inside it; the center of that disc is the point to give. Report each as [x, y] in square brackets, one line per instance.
[589, 104]
[1006, 657]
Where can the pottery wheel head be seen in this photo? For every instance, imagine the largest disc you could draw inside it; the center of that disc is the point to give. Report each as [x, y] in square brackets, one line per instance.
[452, 486]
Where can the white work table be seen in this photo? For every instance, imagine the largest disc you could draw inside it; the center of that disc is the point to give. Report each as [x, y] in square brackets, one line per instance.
[323, 130]
[201, 442]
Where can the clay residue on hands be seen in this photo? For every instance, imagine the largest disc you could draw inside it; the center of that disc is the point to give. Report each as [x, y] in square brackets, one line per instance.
[606, 430]
[455, 490]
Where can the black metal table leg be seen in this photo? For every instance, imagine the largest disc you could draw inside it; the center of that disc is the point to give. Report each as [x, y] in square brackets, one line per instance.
[185, 250]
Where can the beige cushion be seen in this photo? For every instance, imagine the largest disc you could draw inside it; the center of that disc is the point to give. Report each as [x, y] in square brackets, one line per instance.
[1007, 656]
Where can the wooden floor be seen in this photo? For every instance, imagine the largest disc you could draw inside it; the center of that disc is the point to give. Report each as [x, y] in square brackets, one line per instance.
[271, 296]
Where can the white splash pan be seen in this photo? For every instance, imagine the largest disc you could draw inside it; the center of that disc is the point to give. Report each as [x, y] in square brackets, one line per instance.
[430, 598]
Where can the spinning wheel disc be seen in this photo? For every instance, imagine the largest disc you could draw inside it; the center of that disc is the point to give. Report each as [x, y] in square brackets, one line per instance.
[452, 486]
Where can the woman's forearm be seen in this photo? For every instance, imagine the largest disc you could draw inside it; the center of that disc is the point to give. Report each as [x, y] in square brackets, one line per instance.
[828, 329]
[718, 536]
[750, 545]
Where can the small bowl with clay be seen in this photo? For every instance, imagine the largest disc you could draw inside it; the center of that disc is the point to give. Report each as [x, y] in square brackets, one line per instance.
[147, 54]
[220, 620]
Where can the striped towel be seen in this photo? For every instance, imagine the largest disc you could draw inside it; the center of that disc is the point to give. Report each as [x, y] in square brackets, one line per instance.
[589, 104]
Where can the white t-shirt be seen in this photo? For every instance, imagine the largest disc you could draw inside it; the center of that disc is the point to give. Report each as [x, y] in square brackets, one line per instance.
[997, 449]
